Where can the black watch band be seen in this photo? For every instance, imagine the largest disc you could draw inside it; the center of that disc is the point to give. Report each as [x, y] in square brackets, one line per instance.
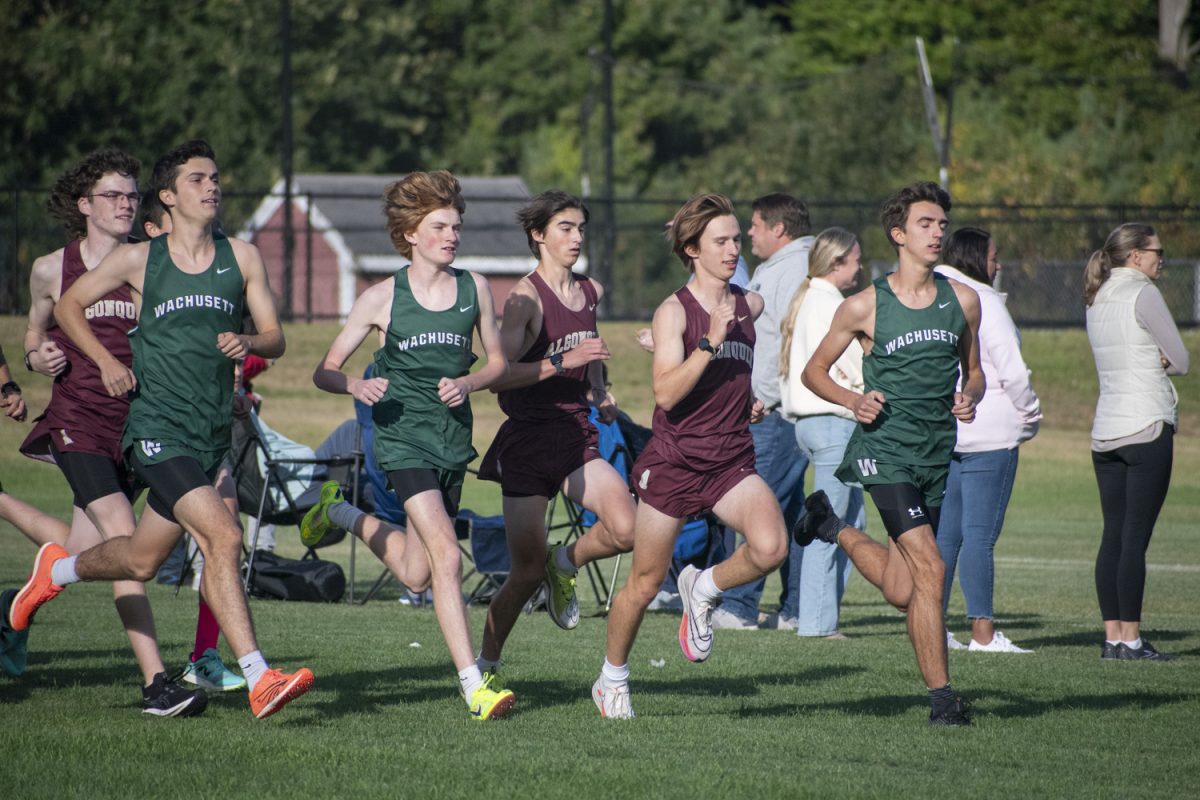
[705, 345]
[556, 362]
[9, 388]
[29, 366]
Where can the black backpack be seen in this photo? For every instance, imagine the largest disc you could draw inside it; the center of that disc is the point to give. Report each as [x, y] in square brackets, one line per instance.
[311, 580]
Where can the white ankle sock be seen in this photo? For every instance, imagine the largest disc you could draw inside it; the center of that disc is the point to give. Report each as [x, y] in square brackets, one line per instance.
[563, 561]
[706, 587]
[487, 665]
[1136, 644]
[469, 680]
[62, 572]
[614, 676]
[253, 666]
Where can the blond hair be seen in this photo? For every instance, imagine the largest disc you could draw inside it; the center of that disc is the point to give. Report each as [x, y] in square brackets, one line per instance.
[829, 251]
[1118, 247]
[414, 197]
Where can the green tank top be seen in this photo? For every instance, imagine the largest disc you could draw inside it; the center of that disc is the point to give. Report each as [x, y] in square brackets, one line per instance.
[184, 391]
[413, 428]
[914, 362]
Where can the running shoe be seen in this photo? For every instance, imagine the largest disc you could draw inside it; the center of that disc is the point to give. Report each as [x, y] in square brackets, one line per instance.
[276, 688]
[490, 700]
[316, 522]
[613, 701]
[1109, 651]
[695, 629]
[956, 713]
[562, 602]
[1144, 653]
[38, 590]
[999, 644]
[818, 522]
[166, 698]
[209, 672]
[954, 644]
[14, 645]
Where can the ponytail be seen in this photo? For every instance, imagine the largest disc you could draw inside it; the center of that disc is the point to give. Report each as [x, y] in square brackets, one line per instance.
[1094, 275]
[788, 328]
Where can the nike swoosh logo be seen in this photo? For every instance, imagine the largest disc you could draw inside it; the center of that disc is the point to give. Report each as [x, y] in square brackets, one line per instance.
[592, 307]
[223, 271]
[741, 319]
[942, 305]
[467, 308]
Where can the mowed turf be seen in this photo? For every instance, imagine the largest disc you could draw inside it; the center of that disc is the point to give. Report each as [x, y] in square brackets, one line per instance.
[768, 715]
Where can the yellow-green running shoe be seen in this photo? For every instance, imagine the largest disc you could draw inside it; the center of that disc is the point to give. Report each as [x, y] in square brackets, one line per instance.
[490, 701]
[561, 601]
[316, 522]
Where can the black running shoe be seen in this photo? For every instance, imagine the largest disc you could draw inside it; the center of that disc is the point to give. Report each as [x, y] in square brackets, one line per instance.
[818, 522]
[956, 713]
[166, 698]
[1110, 651]
[1145, 653]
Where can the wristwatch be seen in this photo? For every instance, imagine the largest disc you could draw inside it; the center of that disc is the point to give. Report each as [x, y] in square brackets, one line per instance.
[705, 345]
[556, 362]
[9, 388]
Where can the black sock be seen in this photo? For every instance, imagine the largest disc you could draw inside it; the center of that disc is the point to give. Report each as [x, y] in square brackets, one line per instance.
[940, 698]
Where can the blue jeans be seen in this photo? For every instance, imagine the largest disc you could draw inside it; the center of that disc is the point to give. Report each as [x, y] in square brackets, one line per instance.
[825, 568]
[977, 493]
[779, 462]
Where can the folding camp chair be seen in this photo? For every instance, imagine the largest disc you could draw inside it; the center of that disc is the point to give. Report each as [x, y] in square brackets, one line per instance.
[278, 487]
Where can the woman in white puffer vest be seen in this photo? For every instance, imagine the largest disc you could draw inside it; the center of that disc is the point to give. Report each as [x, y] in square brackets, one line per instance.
[1136, 346]
[984, 464]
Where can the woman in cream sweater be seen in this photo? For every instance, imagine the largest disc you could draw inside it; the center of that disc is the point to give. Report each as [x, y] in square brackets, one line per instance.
[823, 428]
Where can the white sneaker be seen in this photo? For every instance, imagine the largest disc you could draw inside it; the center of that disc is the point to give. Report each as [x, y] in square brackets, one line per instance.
[954, 644]
[695, 629]
[777, 622]
[998, 644]
[728, 621]
[665, 601]
[613, 701]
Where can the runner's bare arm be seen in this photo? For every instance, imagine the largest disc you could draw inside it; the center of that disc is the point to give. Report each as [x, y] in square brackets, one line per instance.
[852, 320]
[675, 376]
[269, 342]
[973, 384]
[45, 281]
[370, 312]
[453, 391]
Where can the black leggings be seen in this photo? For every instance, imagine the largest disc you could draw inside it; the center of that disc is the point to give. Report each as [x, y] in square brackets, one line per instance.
[1133, 484]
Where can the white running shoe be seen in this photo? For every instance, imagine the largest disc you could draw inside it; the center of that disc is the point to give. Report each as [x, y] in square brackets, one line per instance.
[999, 644]
[729, 621]
[952, 643]
[695, 629]
[613, 701]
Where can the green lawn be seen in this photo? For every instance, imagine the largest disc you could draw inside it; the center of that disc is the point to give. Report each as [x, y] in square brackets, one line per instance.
[768, 715]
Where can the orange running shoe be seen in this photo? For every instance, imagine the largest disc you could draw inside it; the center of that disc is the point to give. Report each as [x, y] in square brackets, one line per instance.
[276, 688]
[38, 590]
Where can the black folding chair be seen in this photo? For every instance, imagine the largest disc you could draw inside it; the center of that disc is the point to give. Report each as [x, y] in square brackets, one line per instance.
[263, 490]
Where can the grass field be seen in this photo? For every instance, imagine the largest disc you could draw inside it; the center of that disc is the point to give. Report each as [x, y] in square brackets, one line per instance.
[768, 715]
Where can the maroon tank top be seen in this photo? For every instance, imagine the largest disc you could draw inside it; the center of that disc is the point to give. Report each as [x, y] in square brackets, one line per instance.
[711, 425]
[562, 330]
[79, 403]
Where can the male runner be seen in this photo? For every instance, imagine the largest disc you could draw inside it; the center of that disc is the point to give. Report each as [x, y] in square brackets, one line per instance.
[700, 457]
[917, 330]
[555, 362]
[424, 318]
[80, 430]
[192, 287]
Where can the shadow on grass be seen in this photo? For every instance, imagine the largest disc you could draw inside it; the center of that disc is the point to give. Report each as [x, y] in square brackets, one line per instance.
[381, 690]
[1094, 638]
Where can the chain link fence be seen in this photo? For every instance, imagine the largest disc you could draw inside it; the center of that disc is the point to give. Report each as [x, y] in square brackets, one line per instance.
[1043, 248]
